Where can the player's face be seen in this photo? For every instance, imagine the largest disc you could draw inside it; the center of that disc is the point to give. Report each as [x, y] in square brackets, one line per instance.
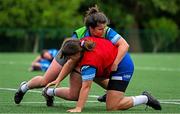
[47, 56]
[98, 31]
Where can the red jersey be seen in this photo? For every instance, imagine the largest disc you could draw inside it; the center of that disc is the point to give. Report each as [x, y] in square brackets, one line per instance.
[101, 57]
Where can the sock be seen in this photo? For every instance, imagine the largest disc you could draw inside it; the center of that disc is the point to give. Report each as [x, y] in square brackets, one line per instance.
[51, 91]
[141, 99]
[24, 88]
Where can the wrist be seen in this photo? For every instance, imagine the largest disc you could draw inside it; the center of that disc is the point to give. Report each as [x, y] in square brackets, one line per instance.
[79, 108]
[115, 63]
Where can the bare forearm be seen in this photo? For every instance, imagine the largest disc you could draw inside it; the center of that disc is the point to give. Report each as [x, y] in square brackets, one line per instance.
[67, 68]
[123, 47]
[83, 96]
[122, 50]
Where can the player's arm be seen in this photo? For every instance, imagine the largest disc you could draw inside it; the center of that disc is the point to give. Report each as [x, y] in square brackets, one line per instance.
[66, 69]
[86, 85]
[123, 47]
[121, 44]
[88, 74]
[38, 58]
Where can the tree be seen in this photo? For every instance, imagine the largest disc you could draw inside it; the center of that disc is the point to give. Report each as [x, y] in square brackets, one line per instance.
[164, 31]
[33, 17]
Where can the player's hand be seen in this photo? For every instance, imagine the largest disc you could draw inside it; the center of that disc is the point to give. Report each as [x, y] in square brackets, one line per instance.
[114, 67]
[77, 109]
[56, 83]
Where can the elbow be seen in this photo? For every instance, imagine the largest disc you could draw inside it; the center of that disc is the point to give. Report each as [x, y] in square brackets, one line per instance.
[125, 46]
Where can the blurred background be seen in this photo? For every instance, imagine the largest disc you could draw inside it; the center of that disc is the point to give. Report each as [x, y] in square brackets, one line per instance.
[33, 25]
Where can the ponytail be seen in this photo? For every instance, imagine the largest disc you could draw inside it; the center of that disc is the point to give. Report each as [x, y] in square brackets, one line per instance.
[87, 45]
[92, 10]
[72, 46]
[94, 17]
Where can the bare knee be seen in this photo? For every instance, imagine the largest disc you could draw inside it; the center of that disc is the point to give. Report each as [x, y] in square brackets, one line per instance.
[42, 81]
[36, 82]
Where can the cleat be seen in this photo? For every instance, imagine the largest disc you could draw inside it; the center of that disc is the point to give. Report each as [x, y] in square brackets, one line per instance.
[49, 99]
[102, 98]
[152, 102]
[19, 94]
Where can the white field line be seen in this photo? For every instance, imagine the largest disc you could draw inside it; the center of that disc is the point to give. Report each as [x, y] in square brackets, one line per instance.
[69, 102]
[164, 101]
[35, 91]
[176, 103]
[147, 68]
[158, 69]
[14, 62]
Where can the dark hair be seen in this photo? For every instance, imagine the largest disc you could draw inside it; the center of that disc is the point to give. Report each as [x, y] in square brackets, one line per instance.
[94, 17]
[42, 52]
[72, 46]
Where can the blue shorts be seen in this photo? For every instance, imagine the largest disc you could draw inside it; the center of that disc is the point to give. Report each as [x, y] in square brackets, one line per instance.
[125, 69]
[119, 79]
[61, 61]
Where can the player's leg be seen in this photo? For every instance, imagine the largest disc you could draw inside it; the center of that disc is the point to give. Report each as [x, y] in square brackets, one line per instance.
[38, 81]
[35, 67]
[103, 82]
[71, 92]
[116, 100]
[49, 76]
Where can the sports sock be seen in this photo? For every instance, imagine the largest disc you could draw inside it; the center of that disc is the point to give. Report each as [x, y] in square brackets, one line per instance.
[24, 88]
[50, 91]
[141, 99]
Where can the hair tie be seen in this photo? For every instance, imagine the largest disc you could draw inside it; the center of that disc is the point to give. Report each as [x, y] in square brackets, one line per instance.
[82, 43]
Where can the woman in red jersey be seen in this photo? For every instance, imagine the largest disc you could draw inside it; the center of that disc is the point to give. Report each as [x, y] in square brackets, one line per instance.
[94, 58]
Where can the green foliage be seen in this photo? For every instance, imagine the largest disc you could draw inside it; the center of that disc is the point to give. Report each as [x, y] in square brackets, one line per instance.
[118, 15]
[170, 6]
[19, 33]
[59, 18]
[36, 14]
[39, 18]
[164, 32]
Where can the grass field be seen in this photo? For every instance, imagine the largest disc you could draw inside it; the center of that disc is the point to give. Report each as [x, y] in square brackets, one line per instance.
[157, 73]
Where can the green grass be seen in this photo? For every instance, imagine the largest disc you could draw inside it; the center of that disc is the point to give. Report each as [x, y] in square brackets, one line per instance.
[157, 73]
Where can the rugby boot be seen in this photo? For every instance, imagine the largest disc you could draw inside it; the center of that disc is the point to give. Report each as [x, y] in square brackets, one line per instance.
[102, 98]
[49, 99]
[152, 102]
[19, 94]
